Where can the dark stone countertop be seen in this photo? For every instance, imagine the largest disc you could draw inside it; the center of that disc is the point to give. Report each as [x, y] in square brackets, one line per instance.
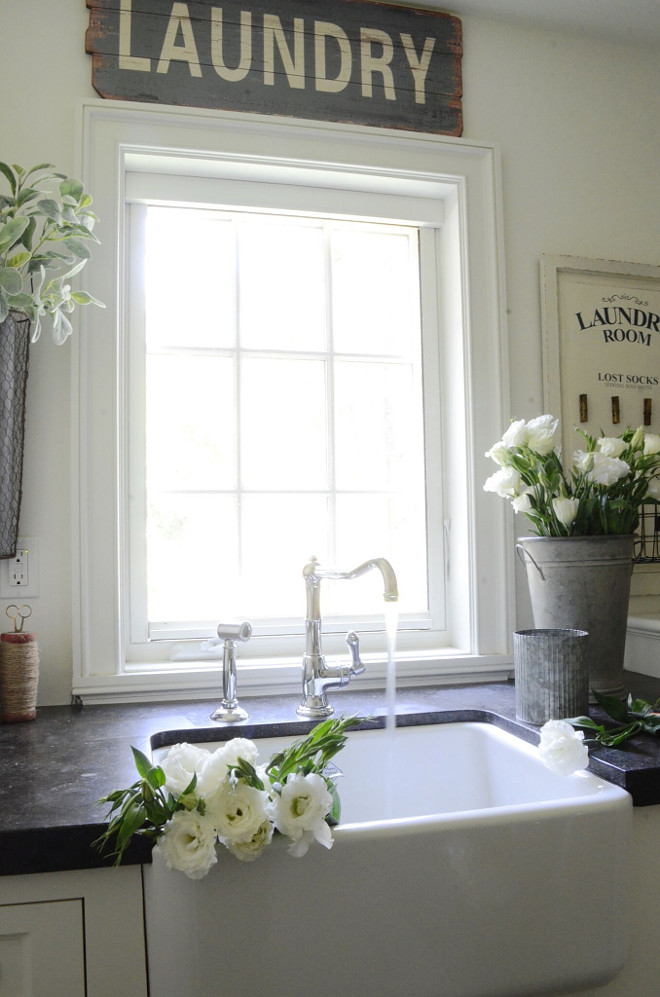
[54, 769]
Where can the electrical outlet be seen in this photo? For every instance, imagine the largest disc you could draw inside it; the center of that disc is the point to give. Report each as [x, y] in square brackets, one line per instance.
[19, 576]
[18, 568]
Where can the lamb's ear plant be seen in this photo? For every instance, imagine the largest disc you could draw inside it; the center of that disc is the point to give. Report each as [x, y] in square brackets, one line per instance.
[46, 226]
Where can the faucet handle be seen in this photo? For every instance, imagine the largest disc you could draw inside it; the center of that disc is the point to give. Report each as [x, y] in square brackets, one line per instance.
[353, 642]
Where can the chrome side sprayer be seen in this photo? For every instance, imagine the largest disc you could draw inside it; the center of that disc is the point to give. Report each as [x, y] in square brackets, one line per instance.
[229, 711]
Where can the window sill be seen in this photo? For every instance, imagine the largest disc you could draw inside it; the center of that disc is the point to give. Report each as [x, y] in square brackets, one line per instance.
[177, 680]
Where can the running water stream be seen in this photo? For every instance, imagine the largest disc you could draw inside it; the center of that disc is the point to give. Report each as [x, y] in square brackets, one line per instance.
[391, 624]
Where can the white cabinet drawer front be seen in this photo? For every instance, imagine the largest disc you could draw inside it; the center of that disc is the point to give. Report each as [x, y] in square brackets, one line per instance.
[42, 949]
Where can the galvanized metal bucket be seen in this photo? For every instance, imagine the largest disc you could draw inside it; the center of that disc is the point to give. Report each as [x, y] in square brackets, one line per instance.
[583, 583]
[552, 674]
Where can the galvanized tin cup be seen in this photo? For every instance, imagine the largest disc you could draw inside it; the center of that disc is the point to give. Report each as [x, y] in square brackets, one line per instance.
[552, 674]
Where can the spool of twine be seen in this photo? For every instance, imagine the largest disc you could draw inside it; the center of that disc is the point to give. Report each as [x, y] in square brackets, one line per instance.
[19, 677]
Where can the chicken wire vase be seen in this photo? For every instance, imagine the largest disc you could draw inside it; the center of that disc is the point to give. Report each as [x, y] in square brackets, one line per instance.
[14, 352]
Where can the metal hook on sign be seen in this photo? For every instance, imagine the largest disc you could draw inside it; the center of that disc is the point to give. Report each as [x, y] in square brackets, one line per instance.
[526, 553]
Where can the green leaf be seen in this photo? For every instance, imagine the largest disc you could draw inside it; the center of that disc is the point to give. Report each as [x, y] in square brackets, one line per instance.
[619, 735]
[72, 188]
[11, 232]
[49, 207]
[18, 260]
[79, 248]
[10, 280]
[614, 707]
[23, 302]
[39, 167]
[585, 722]
[83, 298]
[132, 820]
[9, 174]
[142, 763]
[335, 814]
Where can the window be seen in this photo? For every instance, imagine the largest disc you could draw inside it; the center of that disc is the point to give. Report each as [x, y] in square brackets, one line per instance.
[278, 366]
[310, 414]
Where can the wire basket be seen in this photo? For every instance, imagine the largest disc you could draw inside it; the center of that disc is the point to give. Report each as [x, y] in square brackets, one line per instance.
[14, 352]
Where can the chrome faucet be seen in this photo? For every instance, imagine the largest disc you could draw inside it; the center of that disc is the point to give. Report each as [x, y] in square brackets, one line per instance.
[318, 676]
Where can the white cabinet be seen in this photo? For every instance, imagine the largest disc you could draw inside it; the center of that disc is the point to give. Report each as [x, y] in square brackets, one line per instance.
[42, 949]
[73, 934]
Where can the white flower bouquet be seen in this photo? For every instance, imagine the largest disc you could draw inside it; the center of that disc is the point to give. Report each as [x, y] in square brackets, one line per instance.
[198, 798]
[600, 494]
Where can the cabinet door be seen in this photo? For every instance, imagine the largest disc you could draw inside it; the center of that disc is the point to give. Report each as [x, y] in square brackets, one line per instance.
[42, 949]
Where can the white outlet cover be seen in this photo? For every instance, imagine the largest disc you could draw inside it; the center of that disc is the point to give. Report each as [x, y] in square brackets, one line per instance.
[31, 590]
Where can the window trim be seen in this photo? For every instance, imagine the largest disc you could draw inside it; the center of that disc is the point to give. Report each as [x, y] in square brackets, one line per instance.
[465, 177]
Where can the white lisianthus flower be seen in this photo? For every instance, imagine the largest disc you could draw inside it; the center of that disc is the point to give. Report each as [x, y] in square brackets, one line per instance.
[611, 446]
[248, 851]
[522, 502]
[599, 469]
[188, 843]
[506, 482]
[653, 490]
[651, 444]
[565, 509]
[562, 749]
[216, 769]
[299, 811]
[499, 452]
[237, 812]
[180, 764]
[516, 434]
[541, 434]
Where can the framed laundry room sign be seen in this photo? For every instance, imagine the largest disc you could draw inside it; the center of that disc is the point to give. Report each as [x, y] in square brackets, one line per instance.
[601, 346]
[355, 61]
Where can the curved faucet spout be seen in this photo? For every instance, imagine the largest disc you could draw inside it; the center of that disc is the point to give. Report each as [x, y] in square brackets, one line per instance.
[318, 677]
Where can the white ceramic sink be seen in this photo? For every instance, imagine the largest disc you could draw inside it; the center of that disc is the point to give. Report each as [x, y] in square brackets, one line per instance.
[474, 872]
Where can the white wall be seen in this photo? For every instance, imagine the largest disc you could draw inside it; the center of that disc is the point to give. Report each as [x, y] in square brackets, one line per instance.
[578, 123]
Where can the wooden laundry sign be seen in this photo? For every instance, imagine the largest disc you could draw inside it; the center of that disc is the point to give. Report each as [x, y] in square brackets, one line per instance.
[337, 60]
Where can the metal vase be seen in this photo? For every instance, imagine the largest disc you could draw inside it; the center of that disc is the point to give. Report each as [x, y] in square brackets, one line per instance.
[583, 583]
[552, 681]
[14, 351]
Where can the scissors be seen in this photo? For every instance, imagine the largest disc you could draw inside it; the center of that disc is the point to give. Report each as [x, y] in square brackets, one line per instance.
[18, 614]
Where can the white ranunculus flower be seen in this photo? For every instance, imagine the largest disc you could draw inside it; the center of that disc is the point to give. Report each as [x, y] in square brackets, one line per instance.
[541, 434]
[188, 843]
[562, 749]
[180, 764]
[600, 469]
[565, 509]
[237, 812]
[611, 446]
[516, 434]
[248, 851]
[506, 482]
[216, 769]
[651, 444]
[299, 811]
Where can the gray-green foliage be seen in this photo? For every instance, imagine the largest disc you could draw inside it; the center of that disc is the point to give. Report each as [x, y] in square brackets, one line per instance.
[44, 242]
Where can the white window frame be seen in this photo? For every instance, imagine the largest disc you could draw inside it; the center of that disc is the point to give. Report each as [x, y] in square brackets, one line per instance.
[460, 180]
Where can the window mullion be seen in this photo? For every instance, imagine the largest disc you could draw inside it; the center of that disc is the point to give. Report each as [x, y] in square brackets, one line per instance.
[330, 395]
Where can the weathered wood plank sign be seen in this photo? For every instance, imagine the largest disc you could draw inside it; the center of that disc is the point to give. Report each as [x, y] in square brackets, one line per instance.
[337, 60]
